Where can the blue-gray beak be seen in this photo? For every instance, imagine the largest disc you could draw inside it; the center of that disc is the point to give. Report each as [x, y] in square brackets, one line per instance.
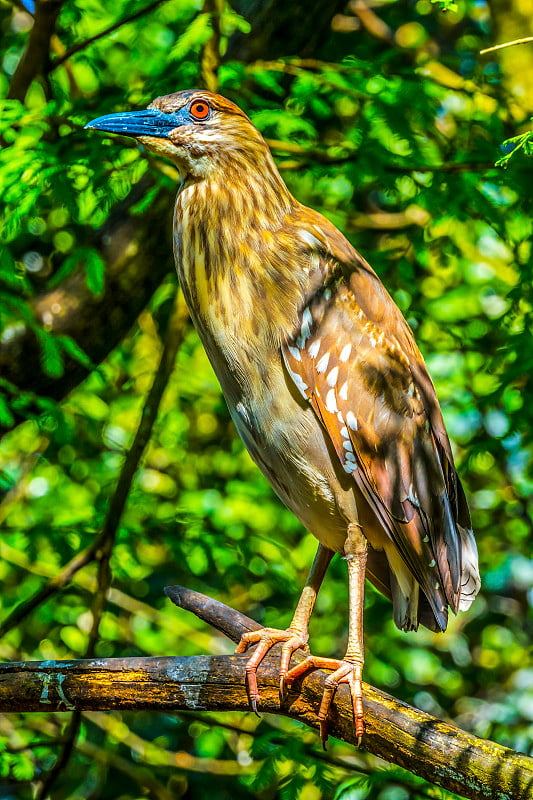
[150, 122]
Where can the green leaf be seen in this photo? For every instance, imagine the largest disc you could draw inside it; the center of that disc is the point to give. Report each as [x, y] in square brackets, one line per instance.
[95, 271]
[196, 35]
[522, 143]
[51, 353]
[356, 788]
[8, 270]
[6, 417]
[23, 767]
[71, 347]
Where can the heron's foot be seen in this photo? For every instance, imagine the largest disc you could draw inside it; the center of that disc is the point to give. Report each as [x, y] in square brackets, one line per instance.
[345, 671]
[266, 638]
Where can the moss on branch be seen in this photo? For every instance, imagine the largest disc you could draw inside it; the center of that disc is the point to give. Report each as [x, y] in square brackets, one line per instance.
[428, 747]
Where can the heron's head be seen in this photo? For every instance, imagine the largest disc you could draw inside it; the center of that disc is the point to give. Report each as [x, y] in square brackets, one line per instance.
[199, 131]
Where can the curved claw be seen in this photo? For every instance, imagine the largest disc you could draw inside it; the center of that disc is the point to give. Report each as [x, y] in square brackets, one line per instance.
[266, 638]
[349, 672]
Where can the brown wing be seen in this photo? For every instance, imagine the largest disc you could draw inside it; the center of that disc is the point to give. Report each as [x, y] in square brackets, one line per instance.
[355, 360]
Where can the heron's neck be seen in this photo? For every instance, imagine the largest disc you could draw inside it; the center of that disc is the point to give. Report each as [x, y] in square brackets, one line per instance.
[233, 254]
[243, 196]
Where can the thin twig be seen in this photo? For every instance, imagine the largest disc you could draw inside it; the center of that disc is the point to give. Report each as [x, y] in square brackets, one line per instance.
[358, 762]
[87, 582]
[106, 540]
[53, 585]
[142, 776]
[180, 759]
[173, 339]
[525, 40]
[115, 26]
[27, 463]
[315, 154]
[210, 56]
[70, 735]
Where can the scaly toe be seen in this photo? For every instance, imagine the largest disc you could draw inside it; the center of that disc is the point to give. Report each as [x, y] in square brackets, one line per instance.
[345, 671]
[265, 639]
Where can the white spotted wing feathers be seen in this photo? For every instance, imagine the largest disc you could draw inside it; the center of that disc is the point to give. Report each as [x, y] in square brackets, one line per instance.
[354, 359]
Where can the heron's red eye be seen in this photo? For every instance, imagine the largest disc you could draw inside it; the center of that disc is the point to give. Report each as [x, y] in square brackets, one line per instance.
[199, 109]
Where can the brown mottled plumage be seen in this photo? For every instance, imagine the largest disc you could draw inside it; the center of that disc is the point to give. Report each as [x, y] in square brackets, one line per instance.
[322, 377]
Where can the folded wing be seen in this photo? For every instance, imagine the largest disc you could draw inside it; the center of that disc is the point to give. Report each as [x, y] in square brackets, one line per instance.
[355, 360]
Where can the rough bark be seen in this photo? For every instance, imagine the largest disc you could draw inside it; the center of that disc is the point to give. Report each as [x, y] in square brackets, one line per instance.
[428, 747]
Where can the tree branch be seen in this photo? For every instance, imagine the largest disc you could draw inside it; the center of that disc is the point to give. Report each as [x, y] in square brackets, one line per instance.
[174, 337]
[428, 747]
[137, 250]
[34, 60]
[106, 539]
[172, 342]
[54, 584]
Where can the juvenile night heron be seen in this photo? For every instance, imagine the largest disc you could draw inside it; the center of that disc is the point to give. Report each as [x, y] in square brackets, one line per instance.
[323, 380]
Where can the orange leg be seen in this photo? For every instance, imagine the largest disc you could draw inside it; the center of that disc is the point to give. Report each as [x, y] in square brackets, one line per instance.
[294, 637]
[350, 669]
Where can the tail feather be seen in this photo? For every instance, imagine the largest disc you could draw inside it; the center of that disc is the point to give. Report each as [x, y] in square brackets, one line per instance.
[411, 607]
[405, 604]
[470, 580]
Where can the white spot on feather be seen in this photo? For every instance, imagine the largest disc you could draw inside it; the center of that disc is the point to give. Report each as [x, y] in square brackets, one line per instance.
[352, 421]
[323, 363]
[349, 466]
[305, 330]
[344, 432]
[350, 457]
[348, 446]
[332, 377]
[314, 348]
[331, 402]
[345, 352]
[344, 391]
[295, 353]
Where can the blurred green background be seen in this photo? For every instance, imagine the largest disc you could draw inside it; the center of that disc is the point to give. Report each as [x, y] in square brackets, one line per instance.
[384, 117]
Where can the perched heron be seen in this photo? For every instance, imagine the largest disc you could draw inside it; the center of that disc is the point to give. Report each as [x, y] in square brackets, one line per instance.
[323, 380]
